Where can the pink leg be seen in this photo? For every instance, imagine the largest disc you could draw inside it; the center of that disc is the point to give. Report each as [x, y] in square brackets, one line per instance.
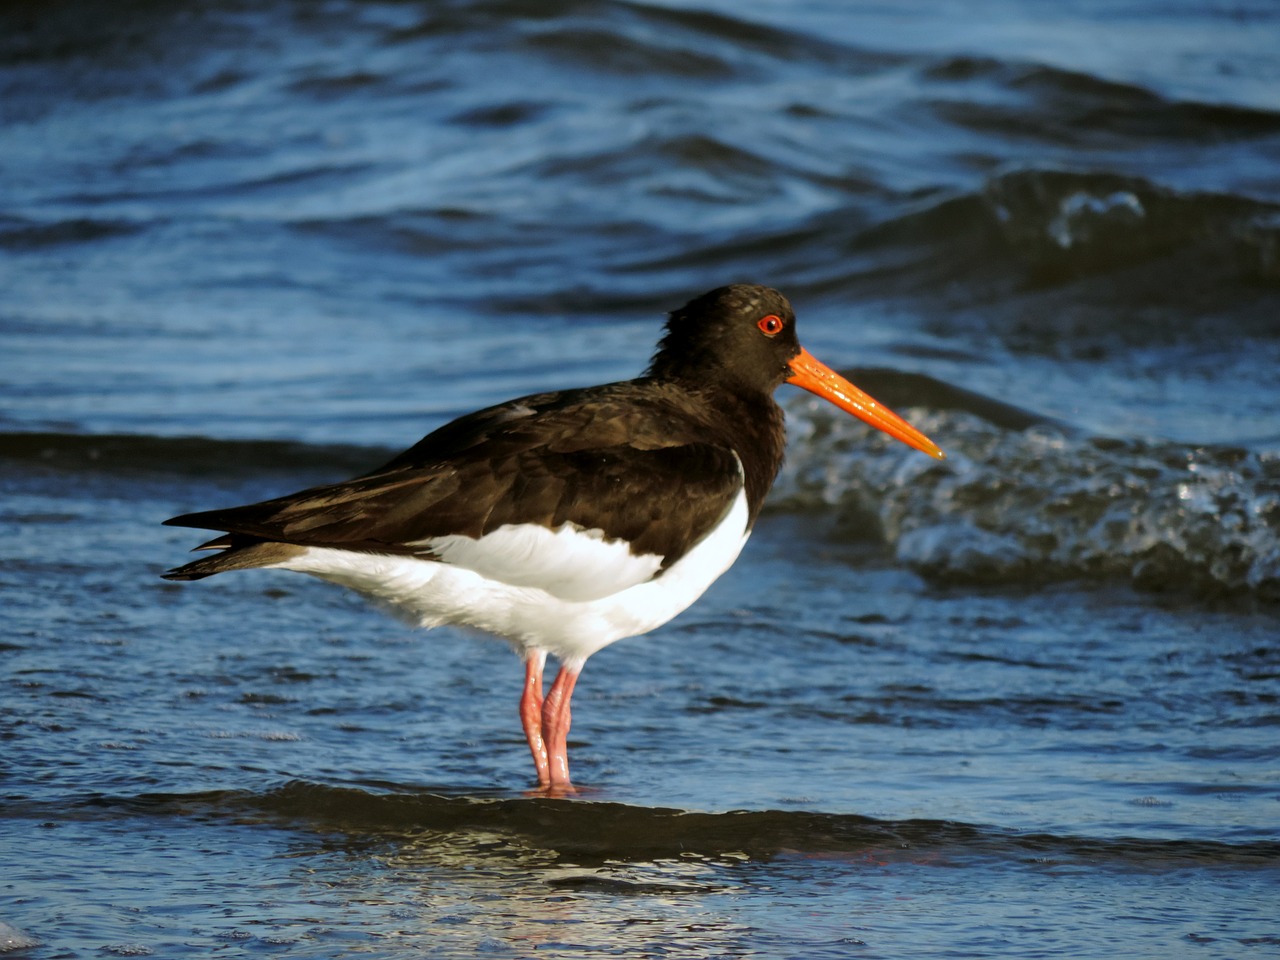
[555, 726]
[531, 713]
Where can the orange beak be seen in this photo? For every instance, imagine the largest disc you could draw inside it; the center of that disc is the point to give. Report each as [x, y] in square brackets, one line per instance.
[817, 377]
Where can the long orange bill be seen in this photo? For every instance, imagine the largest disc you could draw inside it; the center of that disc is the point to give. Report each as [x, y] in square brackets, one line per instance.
[816, 377]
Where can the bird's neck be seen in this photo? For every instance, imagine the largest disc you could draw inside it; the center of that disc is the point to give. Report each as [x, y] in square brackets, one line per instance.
[751, 424]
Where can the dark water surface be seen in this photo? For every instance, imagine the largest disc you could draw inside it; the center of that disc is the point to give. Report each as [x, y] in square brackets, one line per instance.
[1022, 703]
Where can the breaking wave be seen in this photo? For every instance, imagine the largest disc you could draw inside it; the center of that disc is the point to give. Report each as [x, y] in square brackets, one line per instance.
[1025, 500]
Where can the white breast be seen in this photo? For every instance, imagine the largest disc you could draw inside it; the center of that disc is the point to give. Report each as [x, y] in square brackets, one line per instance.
[569, 562]
[570, 592]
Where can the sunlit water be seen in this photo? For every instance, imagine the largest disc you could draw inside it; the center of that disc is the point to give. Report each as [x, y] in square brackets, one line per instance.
[1021, 703]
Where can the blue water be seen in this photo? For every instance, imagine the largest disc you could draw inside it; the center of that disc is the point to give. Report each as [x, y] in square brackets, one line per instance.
[1021, 703]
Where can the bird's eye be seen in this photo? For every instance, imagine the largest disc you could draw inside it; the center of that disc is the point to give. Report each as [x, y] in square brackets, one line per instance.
[770, 326]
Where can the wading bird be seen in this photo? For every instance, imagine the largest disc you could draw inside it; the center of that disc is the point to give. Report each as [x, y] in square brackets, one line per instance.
[562, 522]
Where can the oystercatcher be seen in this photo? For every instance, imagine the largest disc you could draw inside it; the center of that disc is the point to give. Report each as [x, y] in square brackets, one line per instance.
[564, 521]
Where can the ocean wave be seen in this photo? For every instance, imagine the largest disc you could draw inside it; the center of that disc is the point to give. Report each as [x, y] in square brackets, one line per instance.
[1074, 248]
[1046, 227]
[1062, 225]
[627, 38]
[23, 233]
[594, 831]
[1046, 502]
[185, 456]
[1063, 107]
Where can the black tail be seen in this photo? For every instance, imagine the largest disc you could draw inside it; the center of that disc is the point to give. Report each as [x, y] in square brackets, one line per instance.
[242, 556]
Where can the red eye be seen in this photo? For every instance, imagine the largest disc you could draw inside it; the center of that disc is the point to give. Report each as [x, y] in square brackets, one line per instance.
[770, 326]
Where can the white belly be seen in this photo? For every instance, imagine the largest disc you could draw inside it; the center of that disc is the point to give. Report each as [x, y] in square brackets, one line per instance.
[591, 592]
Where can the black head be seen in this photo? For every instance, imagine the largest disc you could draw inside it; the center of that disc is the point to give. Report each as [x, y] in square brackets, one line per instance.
[742, 336]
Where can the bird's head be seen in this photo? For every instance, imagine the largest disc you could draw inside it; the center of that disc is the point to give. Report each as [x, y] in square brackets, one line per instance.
[743, 337]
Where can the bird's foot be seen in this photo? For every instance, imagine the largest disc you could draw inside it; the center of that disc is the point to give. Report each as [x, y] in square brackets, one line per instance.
[554, 791]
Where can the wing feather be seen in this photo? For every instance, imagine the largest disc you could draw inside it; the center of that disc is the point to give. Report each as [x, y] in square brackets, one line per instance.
[612, 466]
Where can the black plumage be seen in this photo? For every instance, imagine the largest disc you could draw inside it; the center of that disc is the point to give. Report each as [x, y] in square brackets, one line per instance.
[653, 461]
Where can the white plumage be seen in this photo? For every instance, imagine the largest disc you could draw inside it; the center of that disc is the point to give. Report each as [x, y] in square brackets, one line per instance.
[568, 592]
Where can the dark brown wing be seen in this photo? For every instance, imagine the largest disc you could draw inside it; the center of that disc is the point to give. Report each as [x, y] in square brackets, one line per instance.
[617, 459]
